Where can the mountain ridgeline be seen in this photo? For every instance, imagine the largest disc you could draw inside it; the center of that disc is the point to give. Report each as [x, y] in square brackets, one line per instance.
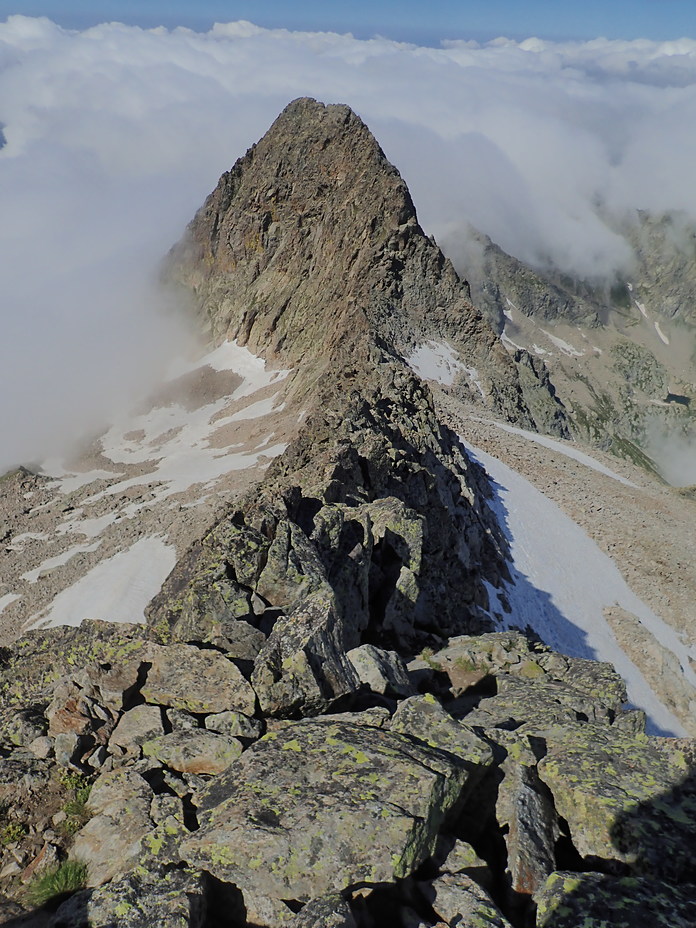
[320, 724]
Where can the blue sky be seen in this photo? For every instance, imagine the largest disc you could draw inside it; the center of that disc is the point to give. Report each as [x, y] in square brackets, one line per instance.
[409, 20]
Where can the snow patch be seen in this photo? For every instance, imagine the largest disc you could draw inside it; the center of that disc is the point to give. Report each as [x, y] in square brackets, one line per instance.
[253, 411]
[69, 482]
[436, 361]
[229, 356]
[18, 542]
[508, 342]
[32, 576]
[564, 346]
[563, 448]
[562, 583]
[90, 528]
[117, 589]
[659, 331]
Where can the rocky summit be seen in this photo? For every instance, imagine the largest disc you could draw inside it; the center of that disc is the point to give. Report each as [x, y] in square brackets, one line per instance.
[327, 717]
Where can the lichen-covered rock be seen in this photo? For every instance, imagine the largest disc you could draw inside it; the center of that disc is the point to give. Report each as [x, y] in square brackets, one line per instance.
[234, 725]
[186, 677]
[459, 901]
[626, 797]
[33, 664]
[512, 654]
[195, 751]
[526, 704]
[134, 728]
[303, 667]
[320, 806]
[595, 900]
[168, 899]
[424, 718]
[110, 842]
[382, 671]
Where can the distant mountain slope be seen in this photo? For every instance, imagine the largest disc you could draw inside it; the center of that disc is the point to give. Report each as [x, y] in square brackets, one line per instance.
[621, 357]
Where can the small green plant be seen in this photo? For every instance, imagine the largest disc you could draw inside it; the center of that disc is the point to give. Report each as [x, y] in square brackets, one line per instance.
[465, 664]
[75, 806]
[67, 877]
[14, 831]
[427, 656]
[73, 779]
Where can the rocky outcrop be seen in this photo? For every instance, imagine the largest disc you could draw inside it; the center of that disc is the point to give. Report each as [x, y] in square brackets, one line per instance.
[425, 806]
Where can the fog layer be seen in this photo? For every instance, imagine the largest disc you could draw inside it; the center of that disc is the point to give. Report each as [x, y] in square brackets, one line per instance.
[114, 136]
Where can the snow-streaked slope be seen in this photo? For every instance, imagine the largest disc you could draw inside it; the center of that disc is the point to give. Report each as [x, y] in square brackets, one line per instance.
[562, 582]
[102, 532]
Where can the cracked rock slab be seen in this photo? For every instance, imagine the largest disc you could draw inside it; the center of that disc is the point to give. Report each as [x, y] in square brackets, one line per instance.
[317, 807]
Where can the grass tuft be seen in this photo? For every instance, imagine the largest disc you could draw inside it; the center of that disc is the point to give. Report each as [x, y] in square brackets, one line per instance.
[67, 877]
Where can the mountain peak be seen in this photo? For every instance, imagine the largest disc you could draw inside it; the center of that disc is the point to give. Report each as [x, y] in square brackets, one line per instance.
[309, 248]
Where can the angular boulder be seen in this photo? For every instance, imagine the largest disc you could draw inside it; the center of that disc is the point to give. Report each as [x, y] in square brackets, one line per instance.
[317, 807]
[110, 842]
[626, 797]
[382, 671]
[196, 751]
[186, 677]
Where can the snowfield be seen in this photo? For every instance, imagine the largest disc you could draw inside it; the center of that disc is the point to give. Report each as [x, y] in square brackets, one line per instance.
[117, 589]
[563, 582]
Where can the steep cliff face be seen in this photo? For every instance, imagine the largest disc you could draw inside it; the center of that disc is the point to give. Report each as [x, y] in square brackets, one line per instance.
[310, 248]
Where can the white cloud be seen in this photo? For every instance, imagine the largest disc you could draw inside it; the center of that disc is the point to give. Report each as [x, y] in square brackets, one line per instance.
[115, 135]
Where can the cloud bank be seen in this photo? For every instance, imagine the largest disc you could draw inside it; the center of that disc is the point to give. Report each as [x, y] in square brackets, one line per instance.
[113, 137]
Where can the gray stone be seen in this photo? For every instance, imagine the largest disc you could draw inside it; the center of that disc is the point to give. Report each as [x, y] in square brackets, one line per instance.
[186, 677]
[382, 671]
[424, 718]
[528, 704]
[197, 751]
[234, 725]
[41, 747]
[303, 667]
[459, 901]
[180, 720]
[140, 724]
[319, 806]
[171, 899]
